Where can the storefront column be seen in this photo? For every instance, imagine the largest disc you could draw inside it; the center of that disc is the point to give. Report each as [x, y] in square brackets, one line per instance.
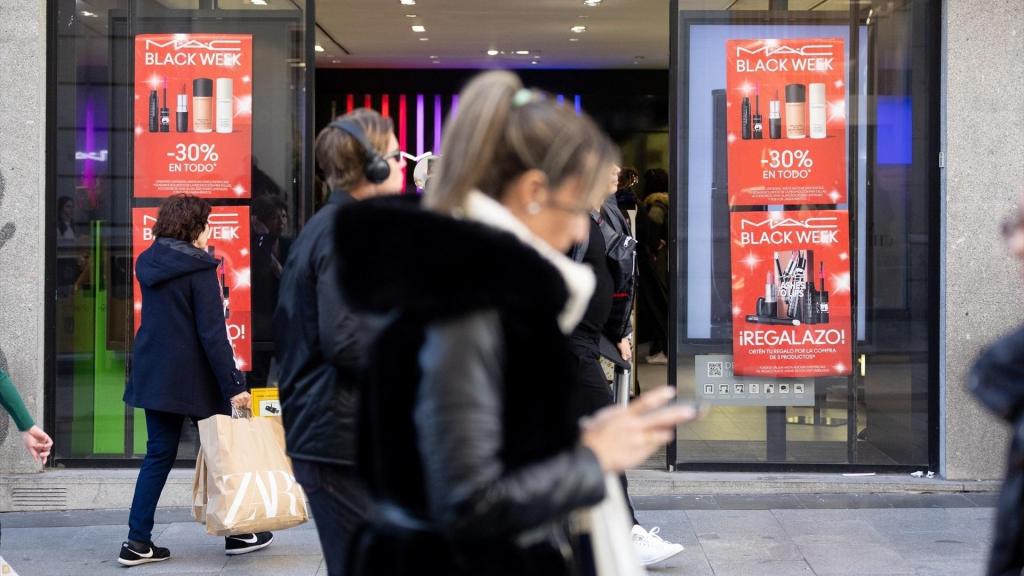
[22, 214]
[984, 180]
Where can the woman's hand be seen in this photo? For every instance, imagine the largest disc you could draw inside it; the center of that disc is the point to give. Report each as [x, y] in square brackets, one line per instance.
[624, 437]
[626, 349]
[242, 401]
[38, 444]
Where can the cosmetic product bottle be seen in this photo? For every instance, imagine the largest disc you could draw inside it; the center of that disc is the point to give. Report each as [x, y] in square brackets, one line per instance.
[181, 113]
[816, 110]
[773, 321]
[745, 118]
[758, 120]
[154, 112]
[774, 118]
[202, 105]
[796, 111]
[822, 296]
[165, 113]
[225, 105]
[771, 302]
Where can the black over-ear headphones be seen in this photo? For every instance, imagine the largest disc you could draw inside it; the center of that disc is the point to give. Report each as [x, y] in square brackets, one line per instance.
[375, 168]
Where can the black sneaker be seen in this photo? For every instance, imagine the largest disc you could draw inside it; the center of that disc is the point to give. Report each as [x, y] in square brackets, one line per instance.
[134, 553]
[245, 543]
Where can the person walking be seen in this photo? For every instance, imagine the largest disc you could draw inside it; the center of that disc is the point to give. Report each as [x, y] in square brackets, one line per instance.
[467, 442]
[652, 262]
[182, 365]
[593, 391]
[320, 342]
[37, 442]
[997, 380]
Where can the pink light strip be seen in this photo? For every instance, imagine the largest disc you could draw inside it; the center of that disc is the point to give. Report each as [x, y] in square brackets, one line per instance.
[437, 123]
[419, 124]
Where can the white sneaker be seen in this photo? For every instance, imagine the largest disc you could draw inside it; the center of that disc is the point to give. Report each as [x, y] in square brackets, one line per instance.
[651, 548]
[658, 358]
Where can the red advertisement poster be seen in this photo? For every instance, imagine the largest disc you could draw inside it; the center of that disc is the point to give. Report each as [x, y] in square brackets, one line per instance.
[786, 112]
[229, 243]
[791, 293]
[193, 115]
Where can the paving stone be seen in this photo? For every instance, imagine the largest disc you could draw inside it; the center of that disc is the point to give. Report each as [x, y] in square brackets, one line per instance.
[771, 568]
[684, 502]
[860, 560]
[291, 565]
[757, 502]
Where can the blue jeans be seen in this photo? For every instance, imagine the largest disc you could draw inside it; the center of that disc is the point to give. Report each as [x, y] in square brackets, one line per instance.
[340, 503]
[164, 430]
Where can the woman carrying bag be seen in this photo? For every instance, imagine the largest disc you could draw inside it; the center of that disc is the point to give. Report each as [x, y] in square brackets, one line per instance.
[183, 366]
[466, 439]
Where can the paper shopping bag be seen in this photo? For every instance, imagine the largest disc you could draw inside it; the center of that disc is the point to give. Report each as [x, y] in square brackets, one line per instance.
[249, 482]
[605, 529]
[199, 490]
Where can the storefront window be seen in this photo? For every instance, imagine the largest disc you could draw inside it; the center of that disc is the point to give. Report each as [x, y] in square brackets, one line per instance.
[804, 297]
[151, 98]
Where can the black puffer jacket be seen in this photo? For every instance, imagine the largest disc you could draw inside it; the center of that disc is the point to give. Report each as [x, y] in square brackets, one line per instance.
[465, 422]
[997, 381]
[319, 344]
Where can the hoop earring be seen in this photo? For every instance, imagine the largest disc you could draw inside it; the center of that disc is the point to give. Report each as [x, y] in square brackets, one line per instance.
[533, 208]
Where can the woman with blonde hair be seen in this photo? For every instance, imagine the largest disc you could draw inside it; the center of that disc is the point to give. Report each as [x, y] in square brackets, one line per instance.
[467, 442]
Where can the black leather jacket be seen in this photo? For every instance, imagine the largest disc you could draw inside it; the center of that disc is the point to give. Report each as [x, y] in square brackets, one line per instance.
[465, 421]
[997, 381]
[319, 344]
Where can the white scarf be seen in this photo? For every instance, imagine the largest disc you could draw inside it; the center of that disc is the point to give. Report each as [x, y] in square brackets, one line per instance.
[578, 278]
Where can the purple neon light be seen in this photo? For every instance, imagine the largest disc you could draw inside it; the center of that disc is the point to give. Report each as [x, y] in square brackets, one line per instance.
[437, 123]
[419, 124]
[560, 99]
[579, 104]
[455, 105]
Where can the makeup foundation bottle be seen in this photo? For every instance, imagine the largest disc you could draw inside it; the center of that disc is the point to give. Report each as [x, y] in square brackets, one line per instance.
[202, 105]
[816, 107]
[796, 111]
[225, 107]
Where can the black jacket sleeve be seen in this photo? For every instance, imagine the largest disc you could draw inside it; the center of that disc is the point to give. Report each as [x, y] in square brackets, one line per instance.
[338, 327]
[459, 420]
[213, 333]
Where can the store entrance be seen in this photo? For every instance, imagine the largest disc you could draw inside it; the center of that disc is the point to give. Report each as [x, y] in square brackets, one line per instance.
[609, 59]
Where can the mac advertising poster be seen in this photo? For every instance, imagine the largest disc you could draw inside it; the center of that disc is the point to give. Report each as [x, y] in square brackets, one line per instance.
[193, 115]
[791, 293]
[229, 245]
[786, 110]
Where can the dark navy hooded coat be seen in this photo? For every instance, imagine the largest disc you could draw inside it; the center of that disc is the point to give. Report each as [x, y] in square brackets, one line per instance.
[182, 361]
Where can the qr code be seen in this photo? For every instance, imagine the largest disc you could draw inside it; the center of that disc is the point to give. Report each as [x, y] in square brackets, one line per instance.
[715, 370]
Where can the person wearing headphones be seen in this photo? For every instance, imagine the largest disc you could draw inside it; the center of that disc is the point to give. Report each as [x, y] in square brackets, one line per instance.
[320, 342]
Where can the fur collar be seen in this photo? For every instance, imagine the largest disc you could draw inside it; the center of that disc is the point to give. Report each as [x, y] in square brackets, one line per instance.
[579, 279]
[394, 255]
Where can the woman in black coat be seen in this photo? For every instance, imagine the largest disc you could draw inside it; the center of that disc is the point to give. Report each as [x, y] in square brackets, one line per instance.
[182, 363]
[997, 380]
[467, 442]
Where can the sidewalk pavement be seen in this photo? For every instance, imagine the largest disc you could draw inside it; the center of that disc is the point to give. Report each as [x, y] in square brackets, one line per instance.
[745, 535]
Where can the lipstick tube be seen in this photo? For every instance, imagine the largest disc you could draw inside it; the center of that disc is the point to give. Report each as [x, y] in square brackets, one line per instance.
[181, 113]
